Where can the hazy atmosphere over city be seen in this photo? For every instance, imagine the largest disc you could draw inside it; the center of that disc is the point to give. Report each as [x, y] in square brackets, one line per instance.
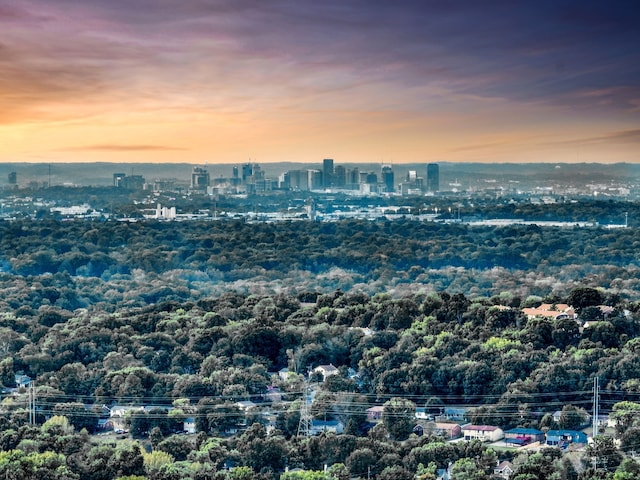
[361, 81]
[319, 240]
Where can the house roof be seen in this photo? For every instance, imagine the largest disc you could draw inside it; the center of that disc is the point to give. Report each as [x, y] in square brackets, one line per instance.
[446, 426]
[537, 312]
[481, 428]
[566, 433]
[326, 368]
[504, 465]
[524, 431]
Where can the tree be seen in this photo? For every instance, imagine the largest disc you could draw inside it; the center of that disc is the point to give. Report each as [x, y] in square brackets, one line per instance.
[542, 465]
[629, 469]
[305, 475]
[178, 446]
[583, 297]
[625, 414]
[217, 417]
[572, 418]
[260, 453]
[434, 406]
[466, 469]
[630, 440]
[78, 415]
[399, 417]
[395, 472]
[18, 465]
[127, 459]
[360, 462]
[602, 453]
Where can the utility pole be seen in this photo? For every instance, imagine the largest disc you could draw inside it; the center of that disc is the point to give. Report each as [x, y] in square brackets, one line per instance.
[596, 394]
[32, 403]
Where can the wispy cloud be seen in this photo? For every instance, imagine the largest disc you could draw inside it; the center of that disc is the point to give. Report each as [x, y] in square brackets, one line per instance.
[619, 137]
[124, 148]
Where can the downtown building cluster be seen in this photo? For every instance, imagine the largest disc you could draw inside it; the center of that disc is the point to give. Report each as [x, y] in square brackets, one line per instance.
[250, 178]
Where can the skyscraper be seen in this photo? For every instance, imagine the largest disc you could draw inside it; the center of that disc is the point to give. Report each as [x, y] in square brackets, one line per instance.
[247, 171]
[199, 178]
[387, 178]
[327, 172]
[339, 176]
[433, 177]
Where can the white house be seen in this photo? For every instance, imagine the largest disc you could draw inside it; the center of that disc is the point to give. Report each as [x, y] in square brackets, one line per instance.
[118, 413]
[504, 470]
[485, 433]
[326, 371]
[189, 425]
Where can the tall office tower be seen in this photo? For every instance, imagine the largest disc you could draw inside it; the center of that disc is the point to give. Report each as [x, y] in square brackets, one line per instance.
[118, 179]
[199, 179]
[433, 177]
[339, 176]
[247, 171]
[353, 178]
[258, 173]
[133, 182]
[12, 178]
[387, 178]
[327, 172]
[284, 181]
[299, 180]
[315, 179]
[235, 172]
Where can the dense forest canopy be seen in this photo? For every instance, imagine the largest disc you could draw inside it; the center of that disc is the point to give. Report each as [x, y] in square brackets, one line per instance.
[190, 318]
[82, 264]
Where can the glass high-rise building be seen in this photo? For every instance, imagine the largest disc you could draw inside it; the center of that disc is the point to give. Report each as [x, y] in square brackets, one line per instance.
[327, 172]
[433, 177]
[388, 178]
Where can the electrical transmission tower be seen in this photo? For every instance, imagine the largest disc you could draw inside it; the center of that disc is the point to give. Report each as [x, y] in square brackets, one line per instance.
[304, 425]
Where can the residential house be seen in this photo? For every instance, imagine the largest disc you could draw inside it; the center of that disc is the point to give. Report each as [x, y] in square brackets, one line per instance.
[504, 470]
[523, 436]
[273, 394]
[606, 310]
[448, 430]
[421, 414]
[22, 381]
[105, 424]
[374, 414]
[564, 438]
[189, 425]
[552, 311]
[485, 433]
[455, 414]
[326, 371]
[319, 426]
[118, 414]
[245, 406]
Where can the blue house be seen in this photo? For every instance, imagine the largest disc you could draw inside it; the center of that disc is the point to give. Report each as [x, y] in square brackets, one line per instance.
[523, 436]
[563, 438]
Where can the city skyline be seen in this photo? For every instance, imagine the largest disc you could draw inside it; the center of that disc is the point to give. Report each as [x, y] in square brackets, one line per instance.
[359, 82]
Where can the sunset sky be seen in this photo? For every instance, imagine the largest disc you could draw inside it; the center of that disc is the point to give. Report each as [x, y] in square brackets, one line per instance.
[212, 81]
